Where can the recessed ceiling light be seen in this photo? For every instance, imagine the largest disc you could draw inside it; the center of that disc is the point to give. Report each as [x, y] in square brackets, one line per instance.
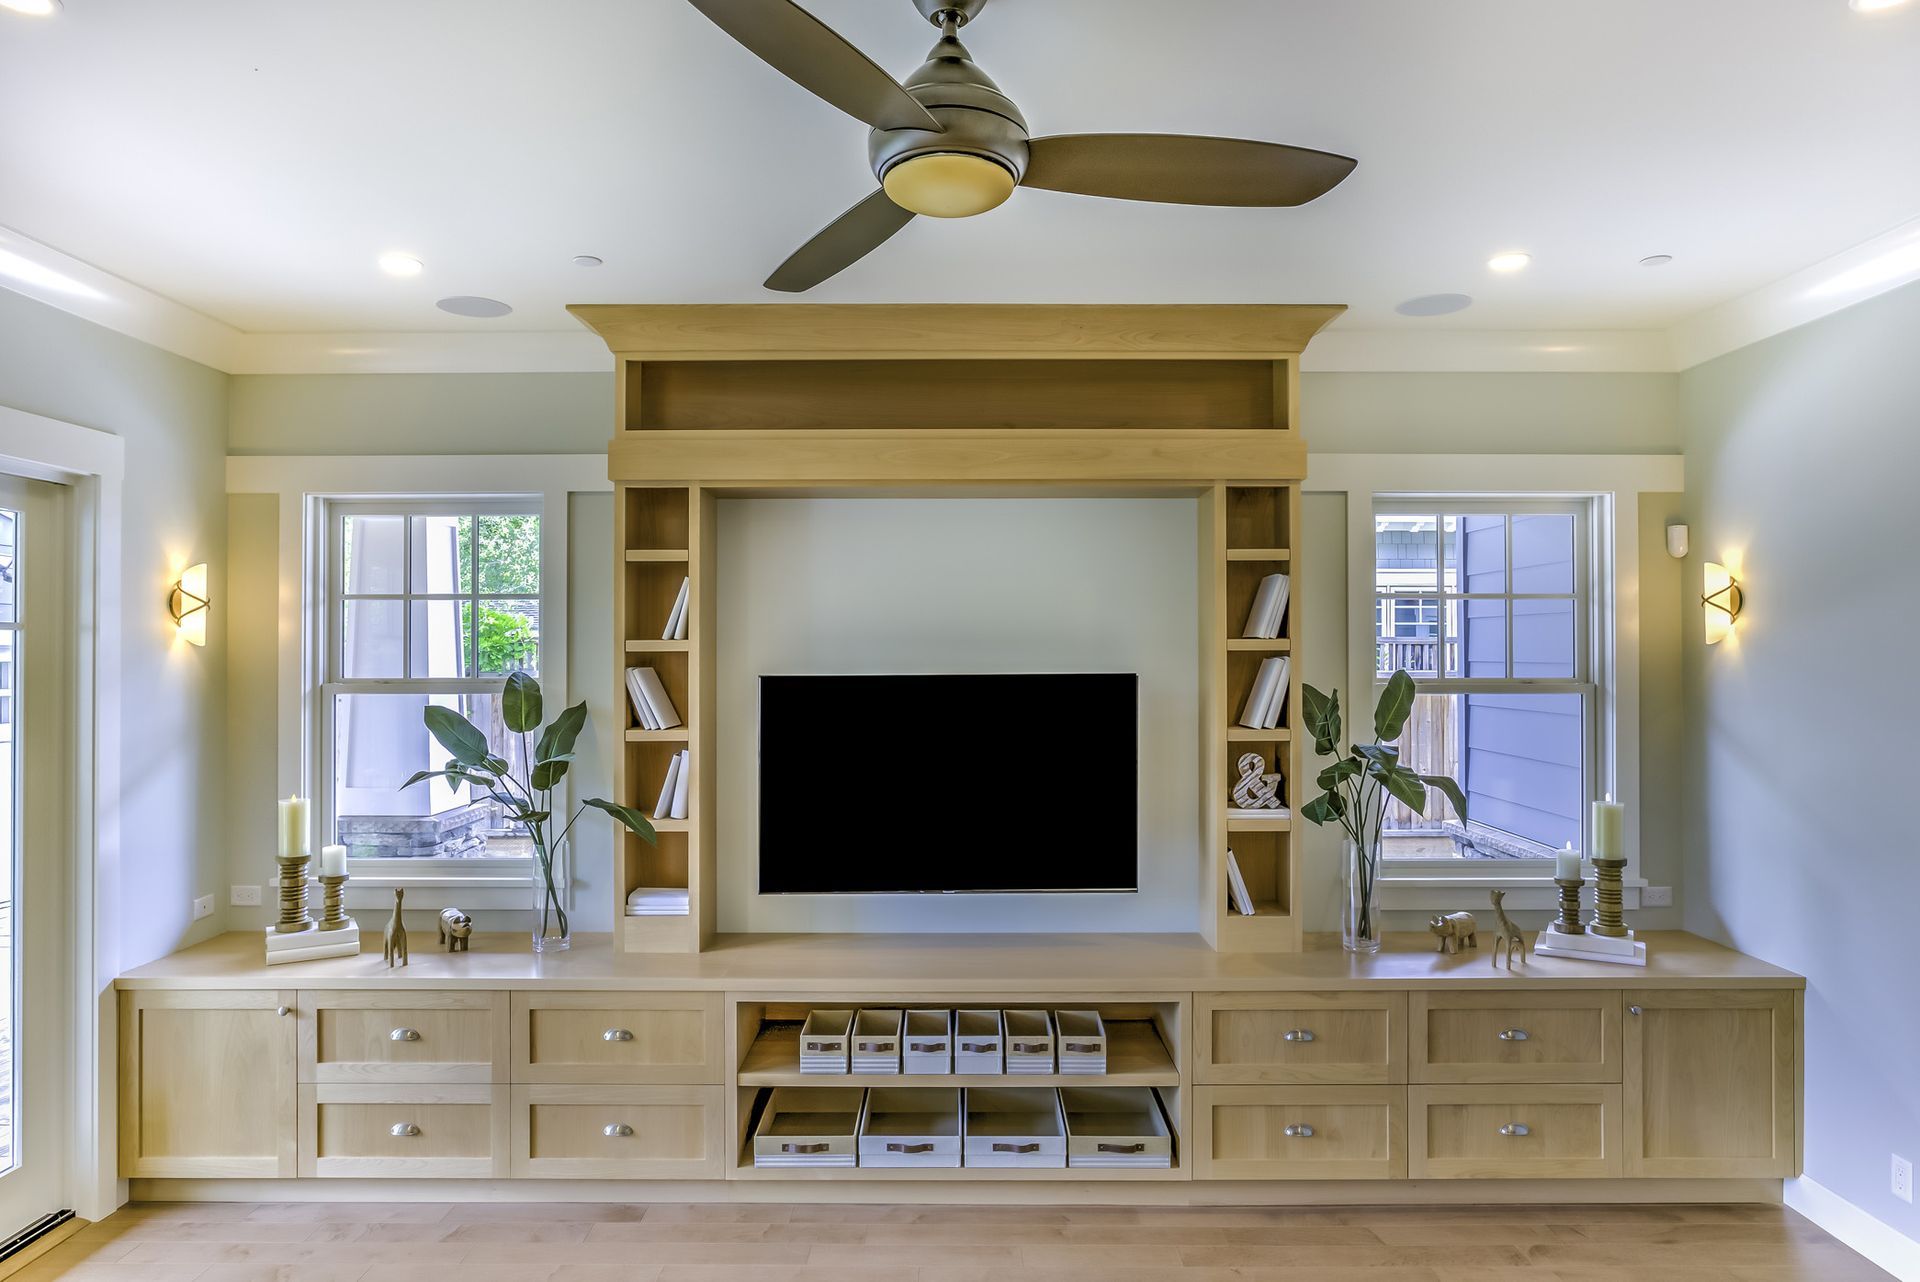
[395, 263]
[1656, 260]
[1510, 261]
[586, 260]
[475, 306]
[1434, 305]
[1873, 6]
[32, 8]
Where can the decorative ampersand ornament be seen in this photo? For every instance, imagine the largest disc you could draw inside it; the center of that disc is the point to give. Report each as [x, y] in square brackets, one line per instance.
[1256, 790]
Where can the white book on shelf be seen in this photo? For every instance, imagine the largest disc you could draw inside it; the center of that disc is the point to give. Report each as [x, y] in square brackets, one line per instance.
[1254, 713]
[686, 611]
[654, 695]
[1277, 699]
[1269, 604]
[641, 711]
[1237, 887]
[681, 784]
[677, 617]
[664, 806]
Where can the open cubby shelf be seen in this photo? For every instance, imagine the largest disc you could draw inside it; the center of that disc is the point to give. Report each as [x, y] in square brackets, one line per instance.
[1136, 1056]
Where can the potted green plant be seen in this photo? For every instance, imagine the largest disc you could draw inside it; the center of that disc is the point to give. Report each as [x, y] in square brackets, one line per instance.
[527, 798]
[1355, 789]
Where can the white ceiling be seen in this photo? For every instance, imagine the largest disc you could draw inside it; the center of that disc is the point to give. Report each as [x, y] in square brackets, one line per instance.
[250, 160]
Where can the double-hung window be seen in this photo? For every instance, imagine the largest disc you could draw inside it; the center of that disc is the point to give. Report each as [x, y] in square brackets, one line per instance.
[1489, 605]
[425, 602]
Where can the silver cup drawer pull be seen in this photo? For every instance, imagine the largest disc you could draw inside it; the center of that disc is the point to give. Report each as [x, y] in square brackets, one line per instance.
[403, 1130]
[404, 1035]
[1513, 1034]
[1298, 1132]
[1298, 1035]
[617, 1131]
[617, 1035]
[1515, 1129]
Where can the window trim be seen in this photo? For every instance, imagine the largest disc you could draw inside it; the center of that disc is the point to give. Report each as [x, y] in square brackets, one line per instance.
[1618, 479]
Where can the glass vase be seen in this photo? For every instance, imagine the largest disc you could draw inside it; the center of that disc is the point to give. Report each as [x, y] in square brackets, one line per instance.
[552, 929]
[1360, 909]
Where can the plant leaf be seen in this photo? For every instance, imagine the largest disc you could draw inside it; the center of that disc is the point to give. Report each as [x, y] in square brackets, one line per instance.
[1323, 720]
[1405, 787]
[532, 817]
[520, 703]
[1324, 809]
[1452, 791]
[1338, 773]
[420, 776]
[1379, 756]
[557, 741]
[496, 765]
[1396, 702]
[550, 772]
[633, 819]
[458, 736]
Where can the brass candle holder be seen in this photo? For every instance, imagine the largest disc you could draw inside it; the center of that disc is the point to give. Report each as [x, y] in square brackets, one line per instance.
[1568, 923]
[332, 911]
[1607, 905]
[293, 895]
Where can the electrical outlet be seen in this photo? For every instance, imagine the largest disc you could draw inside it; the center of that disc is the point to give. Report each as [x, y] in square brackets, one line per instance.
[1902, 1178]
[203, 907]
[1656, 896]
[244, 896]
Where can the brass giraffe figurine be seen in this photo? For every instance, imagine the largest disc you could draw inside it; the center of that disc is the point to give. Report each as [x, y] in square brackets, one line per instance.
[1507, 937]
[396, 949]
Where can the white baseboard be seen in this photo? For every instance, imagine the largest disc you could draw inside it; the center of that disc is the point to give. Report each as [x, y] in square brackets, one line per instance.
[1886, 1246]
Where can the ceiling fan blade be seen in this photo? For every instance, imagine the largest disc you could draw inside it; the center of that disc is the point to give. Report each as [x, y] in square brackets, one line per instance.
[810, 53]
[840, 244]
[1184, 169]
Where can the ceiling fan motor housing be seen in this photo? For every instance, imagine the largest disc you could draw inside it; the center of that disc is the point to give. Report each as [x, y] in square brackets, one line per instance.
[979, 120]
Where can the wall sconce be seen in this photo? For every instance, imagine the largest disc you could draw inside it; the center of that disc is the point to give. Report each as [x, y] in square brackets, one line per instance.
[187, 603]
[1721, 600]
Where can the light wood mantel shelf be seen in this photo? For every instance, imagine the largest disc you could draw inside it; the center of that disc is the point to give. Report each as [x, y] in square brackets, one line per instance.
[826, 964]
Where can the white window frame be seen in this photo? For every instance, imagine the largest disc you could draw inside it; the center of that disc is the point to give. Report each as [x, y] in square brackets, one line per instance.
[332, 682]
[1591, 659]
[302, 484]
[1615, 483]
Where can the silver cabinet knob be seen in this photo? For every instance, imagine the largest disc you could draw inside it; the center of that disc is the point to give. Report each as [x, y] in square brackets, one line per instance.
[1298, 1132]
[1633, 1010]
[1513, 1034]
[1515, 1129]
[618, 1131]
[617, 1035]
[404, 1035]
[283, 1010]
[1298, 1035]
[403, 1130]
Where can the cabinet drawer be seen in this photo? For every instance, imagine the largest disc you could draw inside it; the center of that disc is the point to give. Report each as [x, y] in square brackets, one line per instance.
[616, 1038]
[1514, 1037]
[450, 1131]
[1514, 1132]
[1355, 1038]
[403, 1036]
[618, 1132]
[1301, 1132]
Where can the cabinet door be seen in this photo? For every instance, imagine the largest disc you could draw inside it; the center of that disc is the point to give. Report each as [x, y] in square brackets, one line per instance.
[1336, 1038]
[1711, 1083]
[617, 1038]
[207, 1084]
[1301, 1132]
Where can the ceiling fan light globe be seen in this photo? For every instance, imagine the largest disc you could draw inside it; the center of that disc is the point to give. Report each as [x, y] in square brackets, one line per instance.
[947, 184]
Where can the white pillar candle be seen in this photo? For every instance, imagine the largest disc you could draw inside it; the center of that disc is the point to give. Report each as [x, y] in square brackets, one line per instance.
[333, 861]
[1609, 829]
[1566, 865]
[293, 827]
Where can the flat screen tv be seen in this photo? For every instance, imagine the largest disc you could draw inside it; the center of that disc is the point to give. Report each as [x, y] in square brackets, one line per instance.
[957, 784]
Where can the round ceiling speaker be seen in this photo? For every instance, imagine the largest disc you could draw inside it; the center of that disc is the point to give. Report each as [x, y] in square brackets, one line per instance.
[1434, 305]
[474, 306]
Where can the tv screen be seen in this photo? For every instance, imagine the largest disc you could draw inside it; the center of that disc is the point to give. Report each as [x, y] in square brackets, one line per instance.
[948, 784]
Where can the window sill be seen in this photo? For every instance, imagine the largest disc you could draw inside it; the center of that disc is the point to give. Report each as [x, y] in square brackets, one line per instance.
[1523, 892]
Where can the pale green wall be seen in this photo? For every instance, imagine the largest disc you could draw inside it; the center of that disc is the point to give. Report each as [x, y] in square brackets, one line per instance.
[172, 415]
[1491, 413]
[1802, 453]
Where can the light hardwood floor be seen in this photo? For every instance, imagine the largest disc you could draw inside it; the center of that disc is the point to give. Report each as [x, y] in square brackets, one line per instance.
[237, 1242]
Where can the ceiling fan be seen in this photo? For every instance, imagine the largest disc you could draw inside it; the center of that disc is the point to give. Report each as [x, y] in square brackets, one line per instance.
[949, 144]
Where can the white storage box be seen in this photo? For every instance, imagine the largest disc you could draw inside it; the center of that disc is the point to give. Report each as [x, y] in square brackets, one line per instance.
[1115, 1126]
[1082, 1040]
[977, 1042]
[1014, 1126]
[929, 1042]
[1029, 1041]
[876, 1041]
[809, 1126]
[910, 1126]
[825, 1040]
